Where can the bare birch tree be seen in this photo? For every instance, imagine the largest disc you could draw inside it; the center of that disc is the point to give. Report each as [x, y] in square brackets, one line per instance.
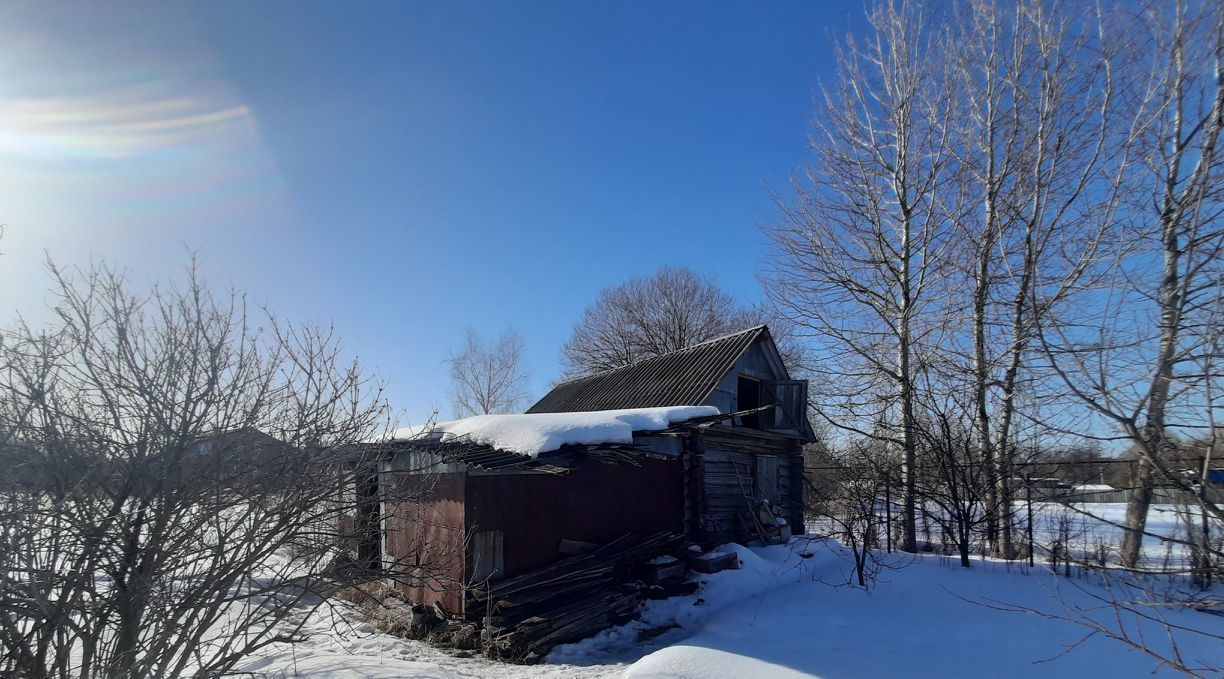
[1130, 351]
[488, 377]
[857, 258]
[1035, 118]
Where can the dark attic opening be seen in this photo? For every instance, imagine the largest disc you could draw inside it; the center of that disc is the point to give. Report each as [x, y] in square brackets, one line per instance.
[749, 396]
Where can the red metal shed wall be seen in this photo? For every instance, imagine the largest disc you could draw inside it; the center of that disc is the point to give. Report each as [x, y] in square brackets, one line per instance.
[433, 529]
[596, 503]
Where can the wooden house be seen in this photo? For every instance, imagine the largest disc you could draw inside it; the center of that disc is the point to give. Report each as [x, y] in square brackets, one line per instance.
[493, 513]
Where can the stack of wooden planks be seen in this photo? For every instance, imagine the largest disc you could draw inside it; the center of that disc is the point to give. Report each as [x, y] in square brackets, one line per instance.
[525, 616]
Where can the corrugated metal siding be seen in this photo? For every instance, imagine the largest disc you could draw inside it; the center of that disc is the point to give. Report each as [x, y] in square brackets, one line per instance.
[680, 378]
[433, 531]
[460, 452]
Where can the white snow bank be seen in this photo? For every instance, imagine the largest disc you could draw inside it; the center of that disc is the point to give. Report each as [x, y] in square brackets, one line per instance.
[541, 432]
[761, 569]
[786, 617]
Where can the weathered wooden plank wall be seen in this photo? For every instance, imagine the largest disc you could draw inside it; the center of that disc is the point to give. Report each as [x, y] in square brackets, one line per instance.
[731, 467]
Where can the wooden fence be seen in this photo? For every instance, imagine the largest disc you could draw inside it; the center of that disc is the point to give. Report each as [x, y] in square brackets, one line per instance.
[1159, 495]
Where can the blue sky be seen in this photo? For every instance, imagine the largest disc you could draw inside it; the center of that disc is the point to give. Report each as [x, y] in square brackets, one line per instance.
[405, 169]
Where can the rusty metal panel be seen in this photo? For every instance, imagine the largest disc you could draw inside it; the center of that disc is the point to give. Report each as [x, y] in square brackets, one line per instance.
[432, 529]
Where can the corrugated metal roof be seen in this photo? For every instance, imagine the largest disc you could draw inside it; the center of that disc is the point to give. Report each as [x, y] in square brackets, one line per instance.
[462, 451]
[681, 378]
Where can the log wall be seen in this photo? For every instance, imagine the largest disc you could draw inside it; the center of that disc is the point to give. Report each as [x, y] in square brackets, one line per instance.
[725, 451]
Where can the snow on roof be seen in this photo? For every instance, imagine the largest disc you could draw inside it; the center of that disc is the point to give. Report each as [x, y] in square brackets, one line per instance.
[541, 432]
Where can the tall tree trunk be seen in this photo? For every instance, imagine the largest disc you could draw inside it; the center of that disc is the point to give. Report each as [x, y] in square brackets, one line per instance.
[985, 130]
[1136, 513]
[981, 368]
[1007, 408]
[1153, 442]
[131, 606]
[909, 523]
[981, 377]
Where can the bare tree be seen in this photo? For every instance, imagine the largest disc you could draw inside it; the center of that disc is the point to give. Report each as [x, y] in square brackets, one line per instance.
[648, 316]
[1025, 210]
[176, 481]
[488, 377]
[1131, 351]
[955, 480]
[858, 256]
[1033, 123]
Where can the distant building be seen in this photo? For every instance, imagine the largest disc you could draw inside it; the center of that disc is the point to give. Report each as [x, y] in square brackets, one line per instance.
[1184, 458]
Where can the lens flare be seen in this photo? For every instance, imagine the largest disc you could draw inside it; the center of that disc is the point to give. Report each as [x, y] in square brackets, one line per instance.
[128, 123]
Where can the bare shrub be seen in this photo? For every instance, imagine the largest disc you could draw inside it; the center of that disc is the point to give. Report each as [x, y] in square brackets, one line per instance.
[178, 480]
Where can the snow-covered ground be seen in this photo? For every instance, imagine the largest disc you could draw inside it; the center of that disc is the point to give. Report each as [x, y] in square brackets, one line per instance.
[927, 619]
[783, 615]
[1087, 528]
